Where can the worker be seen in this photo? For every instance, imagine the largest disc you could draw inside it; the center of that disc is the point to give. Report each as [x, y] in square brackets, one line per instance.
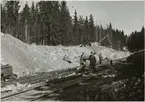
[82, 65]
[100, 58]
[111, 62]
[81, 58]
[2, 77]
[91, 55]
[92, 59]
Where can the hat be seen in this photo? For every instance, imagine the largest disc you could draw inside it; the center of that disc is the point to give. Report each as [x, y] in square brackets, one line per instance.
[83, 53]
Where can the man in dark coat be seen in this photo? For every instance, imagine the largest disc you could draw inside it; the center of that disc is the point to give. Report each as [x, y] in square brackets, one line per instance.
[100, 58]
[92, 59]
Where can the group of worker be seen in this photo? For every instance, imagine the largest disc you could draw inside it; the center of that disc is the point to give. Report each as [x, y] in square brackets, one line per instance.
[92, 64]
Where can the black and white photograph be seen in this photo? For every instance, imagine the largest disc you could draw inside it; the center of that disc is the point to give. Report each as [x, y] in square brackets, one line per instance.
[72, 50]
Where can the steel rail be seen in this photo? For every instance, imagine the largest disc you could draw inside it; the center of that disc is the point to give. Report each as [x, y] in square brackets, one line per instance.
[62, 88]
[56, 80]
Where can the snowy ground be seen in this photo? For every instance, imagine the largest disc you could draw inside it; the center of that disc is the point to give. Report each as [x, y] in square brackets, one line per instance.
[27, 59]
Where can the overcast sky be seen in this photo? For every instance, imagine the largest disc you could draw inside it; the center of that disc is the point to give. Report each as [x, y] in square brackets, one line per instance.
[124, 15]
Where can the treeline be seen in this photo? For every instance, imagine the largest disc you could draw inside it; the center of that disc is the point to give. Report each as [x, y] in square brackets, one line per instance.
[136, 41]
[50, 23]
[116, 38]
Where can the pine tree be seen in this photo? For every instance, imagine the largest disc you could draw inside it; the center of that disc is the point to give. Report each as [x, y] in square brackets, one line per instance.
[55, 23]
[110, 35]
[100, 34]
[16, 18]
[86, 30]
[92, 31]
[25, 21]
[81, 29]
[33, 23]
[114, 39]
[48, 22]
[97, 33]
[38, 25]
[76, 29]
[3, 19]
[65, 24]
[136, 41]
[45, 26]
[12, 8]
[122, 39]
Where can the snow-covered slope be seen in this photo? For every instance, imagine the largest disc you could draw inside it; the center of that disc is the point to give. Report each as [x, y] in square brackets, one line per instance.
[28, 59]
[109, 53]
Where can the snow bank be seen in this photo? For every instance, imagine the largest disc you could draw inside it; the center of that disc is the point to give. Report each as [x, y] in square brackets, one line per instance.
[95, 44]
[2, 34]
[109, 53]
[16, 87]
[27, 59]
[3, 62]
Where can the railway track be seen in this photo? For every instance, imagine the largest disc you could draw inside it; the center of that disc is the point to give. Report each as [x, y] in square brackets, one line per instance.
[55, 84]
[72, 84]
[77, 79]
[37, 78]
